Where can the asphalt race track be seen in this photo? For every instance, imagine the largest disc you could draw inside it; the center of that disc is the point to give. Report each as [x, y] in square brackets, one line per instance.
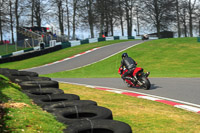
[182, 89]
[85, 59]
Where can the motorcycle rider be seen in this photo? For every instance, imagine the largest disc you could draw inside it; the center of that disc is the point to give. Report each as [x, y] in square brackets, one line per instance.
[130, 65]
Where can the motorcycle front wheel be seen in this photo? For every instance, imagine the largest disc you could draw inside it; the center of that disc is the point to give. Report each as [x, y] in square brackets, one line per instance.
[145, 83]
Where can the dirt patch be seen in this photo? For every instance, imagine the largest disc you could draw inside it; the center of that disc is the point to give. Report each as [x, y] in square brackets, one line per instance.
[2, 113]
[13, 105]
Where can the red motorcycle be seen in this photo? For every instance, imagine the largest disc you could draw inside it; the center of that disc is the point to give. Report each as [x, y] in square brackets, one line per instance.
[141, 78]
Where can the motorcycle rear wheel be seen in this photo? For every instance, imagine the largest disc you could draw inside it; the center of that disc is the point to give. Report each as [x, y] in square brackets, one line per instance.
[146, 83]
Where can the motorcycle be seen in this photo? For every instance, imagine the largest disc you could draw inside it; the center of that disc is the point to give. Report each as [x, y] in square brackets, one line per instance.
[139, 76]
[145, 37]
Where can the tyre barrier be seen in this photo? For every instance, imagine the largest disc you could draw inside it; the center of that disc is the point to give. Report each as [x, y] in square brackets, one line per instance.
[24, 73]
[98, 126]
[6, 71]
[35, 93]
[54, 98]
[26, 85]
[81, 116]
[70, 115]
[19, 79]
[65, 104]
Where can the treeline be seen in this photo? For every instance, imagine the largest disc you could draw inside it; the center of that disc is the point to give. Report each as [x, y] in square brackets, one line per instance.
[181, 16]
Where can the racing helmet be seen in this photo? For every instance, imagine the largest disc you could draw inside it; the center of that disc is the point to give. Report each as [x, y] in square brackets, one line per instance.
[124, 55]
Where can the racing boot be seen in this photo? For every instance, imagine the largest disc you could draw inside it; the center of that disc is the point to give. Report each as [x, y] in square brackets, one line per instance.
[134, 80]
[129, 78]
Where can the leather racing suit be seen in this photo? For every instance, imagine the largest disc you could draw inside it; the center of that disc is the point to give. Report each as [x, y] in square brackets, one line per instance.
[130, 65]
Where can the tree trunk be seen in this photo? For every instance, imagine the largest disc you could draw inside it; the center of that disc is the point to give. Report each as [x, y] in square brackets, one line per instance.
[111, 27]
[68, 23]
[90, 18]
[60, 16]
[185, 29]
[138, 24]
[199, 27]
[158, 30]
[121, 17]
[1, 24]
[74, 18]
[107, 23]
[1, 33]
[127, 19]
[102, 24]
[178, 19]
[122, 26]
[157, 18]
[191, 10]
[32, 13]
[38, 13]
[17, 21]
[190, 19]
[11, 22]
[131, 19]
[111, 18]
[184, 22]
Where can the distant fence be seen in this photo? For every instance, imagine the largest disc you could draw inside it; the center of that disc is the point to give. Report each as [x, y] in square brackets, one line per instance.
[198, 39]
[53, 46]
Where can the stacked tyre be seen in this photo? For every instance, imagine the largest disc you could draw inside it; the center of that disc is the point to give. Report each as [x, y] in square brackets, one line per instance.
[81, 116]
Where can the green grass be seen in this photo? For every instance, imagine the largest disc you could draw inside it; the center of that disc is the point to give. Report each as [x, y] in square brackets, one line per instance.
[55, 56]
[163, 58]
[26, 116]
[8, 49]
[142, 115]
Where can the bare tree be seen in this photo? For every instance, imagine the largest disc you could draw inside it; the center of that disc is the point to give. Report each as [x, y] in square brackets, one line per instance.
[100, 7]
[158, 12]
[184, 16]
[191, 8]
[87, 14]
[121, 14]
[129, 15]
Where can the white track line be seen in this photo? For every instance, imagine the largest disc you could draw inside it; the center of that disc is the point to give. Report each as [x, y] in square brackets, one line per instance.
[176, 103]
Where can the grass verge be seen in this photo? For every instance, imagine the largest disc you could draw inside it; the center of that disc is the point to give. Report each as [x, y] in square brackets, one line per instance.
[58, 55]
[176, 57]
[21, 115]
[142, 115]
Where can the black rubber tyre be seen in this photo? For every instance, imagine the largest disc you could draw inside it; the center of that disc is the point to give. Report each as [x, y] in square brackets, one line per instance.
[19, 79]
[66, 104]
[73, 114]
[6, 71]
[98, 126]
[24, 73]
[146, 83]
[38, 84]
[35, 93]
[55, 98]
